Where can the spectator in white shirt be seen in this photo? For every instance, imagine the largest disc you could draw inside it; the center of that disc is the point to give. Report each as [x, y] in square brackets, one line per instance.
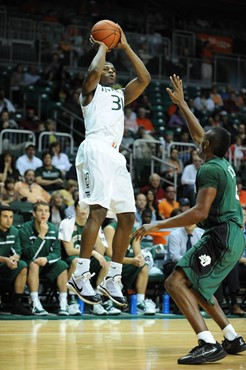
[188, 179]
[5, 104]
[28, 161]
[59, 160]
[179, 241]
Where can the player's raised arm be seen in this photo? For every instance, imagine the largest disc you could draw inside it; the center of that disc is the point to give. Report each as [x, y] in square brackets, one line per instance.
[135, 87]
[177, 96]
[95, 69]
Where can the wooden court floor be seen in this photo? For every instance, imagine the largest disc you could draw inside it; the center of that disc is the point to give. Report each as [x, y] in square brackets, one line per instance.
[151, 344]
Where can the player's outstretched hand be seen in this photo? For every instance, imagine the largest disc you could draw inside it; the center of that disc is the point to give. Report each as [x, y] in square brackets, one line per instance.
[177, 95]
[144, 230]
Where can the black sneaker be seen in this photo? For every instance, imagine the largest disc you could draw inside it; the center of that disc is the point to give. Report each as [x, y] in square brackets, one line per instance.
[204, 352]
[234, 346]
[19, 309]
[82, 287]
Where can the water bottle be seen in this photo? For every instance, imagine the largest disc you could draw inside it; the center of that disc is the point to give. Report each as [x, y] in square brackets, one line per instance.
[81, 306]
[133, 304]
[166, 303]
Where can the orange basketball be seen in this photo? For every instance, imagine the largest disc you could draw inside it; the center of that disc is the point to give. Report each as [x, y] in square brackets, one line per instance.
[107, 32]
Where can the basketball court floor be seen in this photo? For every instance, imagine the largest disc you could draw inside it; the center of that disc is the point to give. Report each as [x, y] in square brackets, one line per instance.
[106, 344]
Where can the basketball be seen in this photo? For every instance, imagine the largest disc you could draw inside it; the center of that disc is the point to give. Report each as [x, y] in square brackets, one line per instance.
[107, 32]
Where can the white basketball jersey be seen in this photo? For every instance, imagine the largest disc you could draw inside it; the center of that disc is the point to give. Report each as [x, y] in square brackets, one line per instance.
[104, 115]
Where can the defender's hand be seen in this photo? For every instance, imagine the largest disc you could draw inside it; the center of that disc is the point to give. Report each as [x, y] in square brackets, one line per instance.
[144, 230]
[177, 95]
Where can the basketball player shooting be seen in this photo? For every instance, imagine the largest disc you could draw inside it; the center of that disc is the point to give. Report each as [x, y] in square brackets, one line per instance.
[104, 182]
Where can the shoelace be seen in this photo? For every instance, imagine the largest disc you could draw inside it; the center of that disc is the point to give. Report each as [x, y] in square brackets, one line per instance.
[86, 280]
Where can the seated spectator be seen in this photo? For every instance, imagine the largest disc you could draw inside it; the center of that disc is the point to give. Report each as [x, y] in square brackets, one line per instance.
[42, 252]
[184, 204]
[151, 204]
[180, 240]
[5, 104]
[130, 121]
[142, 120]
[144, 149]
[13, 270]
[70, 233]
[57, 208]
[30, 190]
[31, 76]
[188, 179]
[242, 133]
[51, 127]
[127, 142]
[203, 104]
[216, 97]
[6, 122]
[241, 192]
[28, 161]
[176, 120]
[8, 193]
[155, 186]
[49, 177]
[70, 211]
[141, 202]
[193, 153]
[67, 193]
[173, 160]
[134, 270]
[16, 81]
[7, 167]
[167, 204]
[230, 104]
[59, 160]
[30, 120]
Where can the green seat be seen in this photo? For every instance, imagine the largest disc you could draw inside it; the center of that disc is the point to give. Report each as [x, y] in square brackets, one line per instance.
[18, 220]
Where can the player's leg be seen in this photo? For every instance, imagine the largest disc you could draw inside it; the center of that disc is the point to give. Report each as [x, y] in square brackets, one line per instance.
[79, 282]
[233, 343]
[208, 350]
[112, 286]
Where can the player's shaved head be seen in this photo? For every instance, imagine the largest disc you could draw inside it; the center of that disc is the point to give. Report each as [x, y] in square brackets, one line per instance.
[219, 140]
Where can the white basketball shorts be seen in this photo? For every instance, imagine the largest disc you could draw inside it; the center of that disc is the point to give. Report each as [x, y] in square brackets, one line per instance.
[103, 177]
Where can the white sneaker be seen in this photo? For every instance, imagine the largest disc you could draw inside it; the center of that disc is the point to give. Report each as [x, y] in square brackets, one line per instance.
[98, 310]
[38, 309]
[74, 310]
[111, 287]
[81, 286]
[111, 310]
[63, 309]
[146, 308]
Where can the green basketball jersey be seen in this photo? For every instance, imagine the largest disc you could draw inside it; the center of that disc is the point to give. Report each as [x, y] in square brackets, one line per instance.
[218, 173]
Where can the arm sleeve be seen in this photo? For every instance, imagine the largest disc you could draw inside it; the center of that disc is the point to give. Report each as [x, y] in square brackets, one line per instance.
[55, 250]
[208, 176]
[174, 246]
[16, 249]
[29, 249]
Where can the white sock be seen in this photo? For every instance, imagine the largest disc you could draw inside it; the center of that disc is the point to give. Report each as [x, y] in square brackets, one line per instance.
[206, 336]
[83, 265]
[114, 269]
[63, 297]
[34, 298]
[140, 298]
[229, 332]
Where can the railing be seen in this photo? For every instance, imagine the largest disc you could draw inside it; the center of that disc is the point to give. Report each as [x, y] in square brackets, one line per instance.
[66, 141]
[183, 148]
[15, 140]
